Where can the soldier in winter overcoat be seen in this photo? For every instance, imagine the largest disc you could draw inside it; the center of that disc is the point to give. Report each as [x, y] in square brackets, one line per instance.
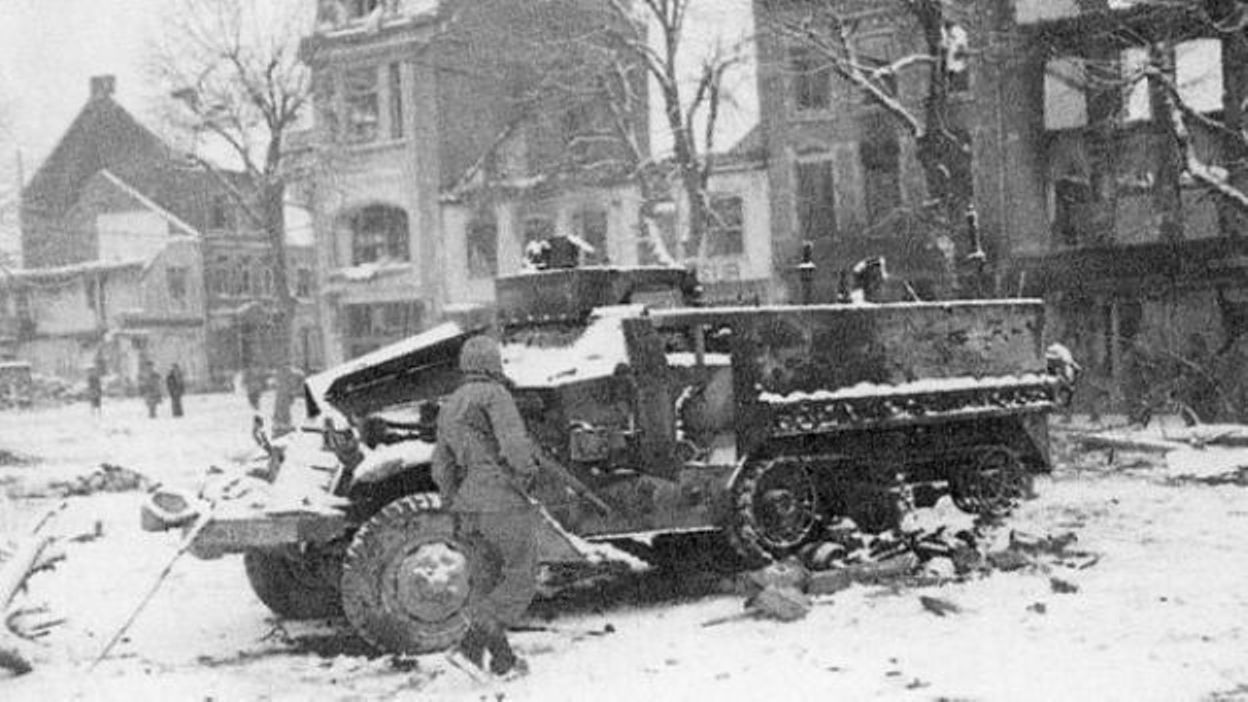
[484, 464]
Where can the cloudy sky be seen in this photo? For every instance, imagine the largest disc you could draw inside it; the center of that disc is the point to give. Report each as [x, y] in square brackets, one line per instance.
[50, 48]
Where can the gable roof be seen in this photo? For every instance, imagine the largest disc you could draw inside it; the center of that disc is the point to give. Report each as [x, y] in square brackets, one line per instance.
[147, 202]
[106, 137]
[103, 136]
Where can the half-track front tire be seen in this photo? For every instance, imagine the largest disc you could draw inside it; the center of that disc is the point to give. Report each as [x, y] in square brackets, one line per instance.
[405, 582]
[775, 509]
[294, 584]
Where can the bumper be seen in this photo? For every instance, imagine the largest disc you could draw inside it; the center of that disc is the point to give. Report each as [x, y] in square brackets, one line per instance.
[238, 532]
[224, 535]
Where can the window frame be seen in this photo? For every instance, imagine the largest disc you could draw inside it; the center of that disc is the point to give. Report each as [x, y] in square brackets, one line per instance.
[394, 99]
[811, 81]
[582, 218]
[826, 204]
[721, 230]
[880, 146]
[863, 49]
[384, 243]
[482, 226]
[177, 283]
[363, 127]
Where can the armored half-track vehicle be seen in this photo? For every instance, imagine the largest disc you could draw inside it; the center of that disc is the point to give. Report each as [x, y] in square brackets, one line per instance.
[653, 418]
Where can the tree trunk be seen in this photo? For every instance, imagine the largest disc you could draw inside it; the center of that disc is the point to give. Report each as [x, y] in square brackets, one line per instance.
[273, 193]
[943, 152]
[1235, 91]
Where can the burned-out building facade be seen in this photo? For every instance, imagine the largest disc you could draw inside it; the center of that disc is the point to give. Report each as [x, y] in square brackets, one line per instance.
[1082, 193]
[1144, 264]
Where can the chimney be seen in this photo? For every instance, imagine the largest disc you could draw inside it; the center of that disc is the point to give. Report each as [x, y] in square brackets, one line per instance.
[103, 86]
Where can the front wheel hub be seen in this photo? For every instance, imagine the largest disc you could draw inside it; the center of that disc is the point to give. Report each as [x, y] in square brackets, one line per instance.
[431, 582]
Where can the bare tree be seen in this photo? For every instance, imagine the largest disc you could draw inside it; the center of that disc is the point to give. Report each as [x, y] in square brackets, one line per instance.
[232, 68]
[610, 62]
[691, 113]
[943, 148]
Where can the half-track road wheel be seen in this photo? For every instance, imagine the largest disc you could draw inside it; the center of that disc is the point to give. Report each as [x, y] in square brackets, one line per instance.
[405, 582]
[990, 482]
[296, 583]
[775, 508]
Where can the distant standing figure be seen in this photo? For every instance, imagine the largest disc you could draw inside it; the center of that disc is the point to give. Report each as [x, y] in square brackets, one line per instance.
[176, 387]
[253, 382]
[95, 389]
[149, 387]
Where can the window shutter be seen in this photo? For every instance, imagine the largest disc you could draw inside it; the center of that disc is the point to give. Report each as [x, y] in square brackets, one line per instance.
[848, 183]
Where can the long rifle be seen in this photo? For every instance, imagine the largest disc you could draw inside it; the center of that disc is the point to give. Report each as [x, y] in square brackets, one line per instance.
[564, 476]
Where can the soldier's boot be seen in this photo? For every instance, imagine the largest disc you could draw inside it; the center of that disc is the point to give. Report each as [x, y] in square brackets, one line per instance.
[472, 646]
[503, 659]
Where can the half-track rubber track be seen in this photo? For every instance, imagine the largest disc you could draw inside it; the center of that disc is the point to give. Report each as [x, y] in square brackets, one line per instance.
[781, 503]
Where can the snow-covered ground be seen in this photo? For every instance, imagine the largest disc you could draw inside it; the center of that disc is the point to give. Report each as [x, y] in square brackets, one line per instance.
[1161, 615]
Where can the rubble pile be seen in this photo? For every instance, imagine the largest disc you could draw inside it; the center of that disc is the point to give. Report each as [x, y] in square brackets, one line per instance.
[106, 478]
[52, 388]
[1214, 454]
[12, 458]
[932, 545]
[55, 390]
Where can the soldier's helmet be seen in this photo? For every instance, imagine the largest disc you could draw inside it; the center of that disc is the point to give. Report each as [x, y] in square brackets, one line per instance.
[481, 354]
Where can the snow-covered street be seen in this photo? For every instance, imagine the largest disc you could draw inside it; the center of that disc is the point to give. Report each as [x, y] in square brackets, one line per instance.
[1160, 616]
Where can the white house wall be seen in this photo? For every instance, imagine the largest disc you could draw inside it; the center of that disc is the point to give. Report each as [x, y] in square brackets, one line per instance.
[621, 205]
[130, 236]
[156, 293]
[60, 308]
[754, 263]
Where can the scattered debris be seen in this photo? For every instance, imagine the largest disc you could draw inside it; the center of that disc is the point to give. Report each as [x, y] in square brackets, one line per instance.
[1038, 608]
[782, 574]
[187, 540]
[13, 458]
[1215, 466]
[938, 606]
[783, 603]
[1062, 587]
[1116, 440]
[940, 568]
[30, 555]
[1036, 545]
[106, 478]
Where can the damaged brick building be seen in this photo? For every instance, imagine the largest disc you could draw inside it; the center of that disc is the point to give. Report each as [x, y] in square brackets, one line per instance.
[132, 253]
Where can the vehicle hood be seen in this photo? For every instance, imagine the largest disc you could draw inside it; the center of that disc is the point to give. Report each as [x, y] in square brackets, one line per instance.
[414, 369]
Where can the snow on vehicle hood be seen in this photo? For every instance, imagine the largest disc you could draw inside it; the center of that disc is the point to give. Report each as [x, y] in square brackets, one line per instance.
[595, 353]
[378, 365]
